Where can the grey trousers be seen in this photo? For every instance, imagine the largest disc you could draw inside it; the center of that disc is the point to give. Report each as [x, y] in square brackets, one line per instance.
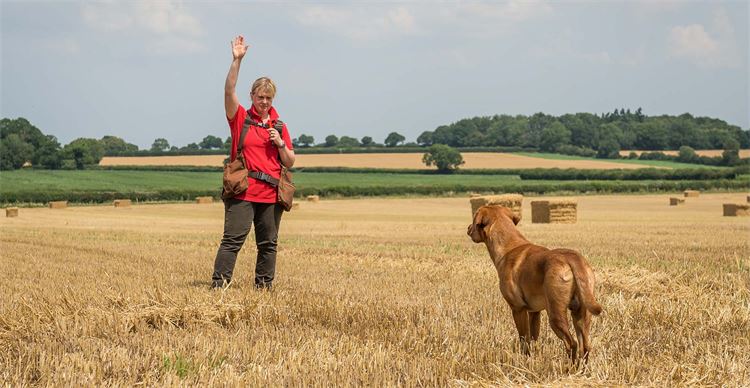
[239, 216]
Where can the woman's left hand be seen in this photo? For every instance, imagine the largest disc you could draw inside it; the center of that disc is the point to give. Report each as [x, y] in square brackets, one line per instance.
[274, 136]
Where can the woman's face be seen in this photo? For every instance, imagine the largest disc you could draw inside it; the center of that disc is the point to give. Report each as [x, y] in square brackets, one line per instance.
[262, 100]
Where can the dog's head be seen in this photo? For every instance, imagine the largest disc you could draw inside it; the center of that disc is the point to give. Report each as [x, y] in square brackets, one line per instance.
[488, 216]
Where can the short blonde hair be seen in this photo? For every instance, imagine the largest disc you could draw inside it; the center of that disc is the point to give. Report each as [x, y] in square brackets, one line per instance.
[263, 83]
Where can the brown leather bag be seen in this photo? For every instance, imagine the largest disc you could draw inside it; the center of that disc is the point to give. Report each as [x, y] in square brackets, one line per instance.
[285, 196]
[235, 172]
[285, 188]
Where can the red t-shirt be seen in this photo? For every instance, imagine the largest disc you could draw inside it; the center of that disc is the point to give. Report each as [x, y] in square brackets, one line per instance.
[260, 153]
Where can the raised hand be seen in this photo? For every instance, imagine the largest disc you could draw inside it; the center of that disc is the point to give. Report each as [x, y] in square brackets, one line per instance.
[238, 47]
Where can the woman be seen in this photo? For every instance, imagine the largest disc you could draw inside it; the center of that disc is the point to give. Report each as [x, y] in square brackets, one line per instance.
[264, 150]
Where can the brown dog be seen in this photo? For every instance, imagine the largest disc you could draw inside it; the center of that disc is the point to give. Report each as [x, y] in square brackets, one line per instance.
[534, 278]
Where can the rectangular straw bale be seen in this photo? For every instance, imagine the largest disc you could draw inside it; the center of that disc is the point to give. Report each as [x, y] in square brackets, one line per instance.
[122, 203]
[562, 211]
[674, 201]
[204, 199]
[11, 212]
[692, 193]
[58, 204]
[512, 201]
[736, 209]
[313, 198]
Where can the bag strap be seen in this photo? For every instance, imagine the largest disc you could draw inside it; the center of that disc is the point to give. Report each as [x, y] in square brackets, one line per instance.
[279, 126]
[248, 122]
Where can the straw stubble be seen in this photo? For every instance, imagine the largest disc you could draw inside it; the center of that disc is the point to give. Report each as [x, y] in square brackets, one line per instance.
[376, 292]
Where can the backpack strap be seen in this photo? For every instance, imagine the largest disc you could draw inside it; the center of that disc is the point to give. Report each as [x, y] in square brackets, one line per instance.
[248, 122]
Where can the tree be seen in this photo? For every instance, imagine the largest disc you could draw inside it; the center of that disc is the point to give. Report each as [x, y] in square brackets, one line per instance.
[445, 158]
[346, 141]
[113, 145]
[331, 141]
[83, 152]
[687, 155]
[227, 143]
[554, 136]
[14, 152]
[639, 115]
[609, 148]
[20, 140]
[366, 141]
[160, 144]
[48, 154]
[731, 154]
[210, 142]
[393, 139]
[306, 140]
[425, 139]
[193, 147]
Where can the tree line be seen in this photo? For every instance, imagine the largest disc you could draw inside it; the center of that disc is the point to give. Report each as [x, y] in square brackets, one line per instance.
[589, 134]
[583, 134]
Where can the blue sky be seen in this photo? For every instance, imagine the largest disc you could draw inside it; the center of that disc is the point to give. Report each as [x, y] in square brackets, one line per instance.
[142, 70]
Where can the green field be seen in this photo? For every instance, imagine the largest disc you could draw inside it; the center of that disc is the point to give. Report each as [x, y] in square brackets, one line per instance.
[123, 180]
[97, 186]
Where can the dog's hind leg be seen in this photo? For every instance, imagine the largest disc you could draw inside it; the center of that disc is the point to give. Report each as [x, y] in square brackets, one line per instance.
[534, 317]
[521, 318]
[558, 320]
[582, 324]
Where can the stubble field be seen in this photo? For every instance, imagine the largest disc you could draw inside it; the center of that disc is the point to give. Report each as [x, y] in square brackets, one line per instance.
[369, 292]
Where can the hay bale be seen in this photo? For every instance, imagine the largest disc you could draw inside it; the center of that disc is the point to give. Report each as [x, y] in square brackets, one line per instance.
[558, 211]
[692, 193]
[11, 212]
[748, 198]
[512, 201]
[58, 204]
[200, 200]
[122, 203]
[313, 198]
[673, 201]
[736, 209]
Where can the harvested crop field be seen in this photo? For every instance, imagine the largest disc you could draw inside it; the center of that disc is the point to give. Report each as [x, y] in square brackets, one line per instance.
[743, 153]
[375, 292]
[406, 160]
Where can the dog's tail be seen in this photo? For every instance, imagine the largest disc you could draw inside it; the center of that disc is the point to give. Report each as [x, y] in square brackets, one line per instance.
[585, 282]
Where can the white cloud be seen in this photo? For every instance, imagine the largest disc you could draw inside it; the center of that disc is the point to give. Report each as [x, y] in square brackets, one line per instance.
[691, 41]
[508, 11]
[167, 17]
[107, 16]
[717, 48]
[382, 20]
[167, 25]
[359, 23]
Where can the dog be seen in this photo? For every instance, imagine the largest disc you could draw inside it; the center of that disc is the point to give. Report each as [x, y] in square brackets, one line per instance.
[534, 278]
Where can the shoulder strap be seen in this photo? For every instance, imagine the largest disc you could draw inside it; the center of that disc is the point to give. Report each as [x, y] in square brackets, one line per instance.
[279, 126]
[245, 126]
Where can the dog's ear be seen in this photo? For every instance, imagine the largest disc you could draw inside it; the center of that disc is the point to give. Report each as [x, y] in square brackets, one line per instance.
[482, 219]
[476, 228]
